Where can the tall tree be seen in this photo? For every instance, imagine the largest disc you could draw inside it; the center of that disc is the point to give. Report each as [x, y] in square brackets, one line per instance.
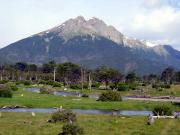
[168, 74]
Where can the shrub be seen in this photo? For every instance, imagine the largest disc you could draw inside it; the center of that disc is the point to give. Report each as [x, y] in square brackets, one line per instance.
[160, 89]
[166, 86]
[144, 84]
[112, 86]
[5, 91]
[122, 87]
[56, 84]
[63, 116]
[72, 129]
[3, 81]
[85, 95]
[75, 86]
[132, 86]
[79, 86]
[156, 86]
[27, 83]
[43, 82]
[18, 83]
[52, 83]
[12, 86]
[162, 110]
[95, 84]
[46, 90]
[110, 96]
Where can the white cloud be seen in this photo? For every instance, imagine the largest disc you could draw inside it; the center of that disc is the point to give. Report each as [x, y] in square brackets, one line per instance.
[160, 24]
[152, 3]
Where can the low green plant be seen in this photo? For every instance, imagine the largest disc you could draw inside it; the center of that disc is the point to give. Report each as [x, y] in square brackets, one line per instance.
[63, 116]
[3, 81]
[52, 83]
[110, 96]
[12, 86]
[46, 90]
[85, 95]
[26, 82]
[95, 84]
[79, 86]
[122, 87]
[5, 91]
[162, 110]
[72, 129]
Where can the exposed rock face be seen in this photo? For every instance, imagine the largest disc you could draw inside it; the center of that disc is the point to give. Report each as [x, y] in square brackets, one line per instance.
[91, 43]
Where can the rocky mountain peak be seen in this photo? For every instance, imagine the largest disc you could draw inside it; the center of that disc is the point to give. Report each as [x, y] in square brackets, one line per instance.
[95, 27]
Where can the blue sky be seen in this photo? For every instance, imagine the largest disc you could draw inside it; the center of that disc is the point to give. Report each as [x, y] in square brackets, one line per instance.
[154, 20]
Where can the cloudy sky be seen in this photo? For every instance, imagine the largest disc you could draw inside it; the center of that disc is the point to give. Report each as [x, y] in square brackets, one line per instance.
[154, 20]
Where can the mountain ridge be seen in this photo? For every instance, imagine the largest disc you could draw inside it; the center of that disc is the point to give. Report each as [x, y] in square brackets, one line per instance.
[91, 43]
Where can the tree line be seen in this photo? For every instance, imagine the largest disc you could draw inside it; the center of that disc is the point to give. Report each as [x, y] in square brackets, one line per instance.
[70, 73]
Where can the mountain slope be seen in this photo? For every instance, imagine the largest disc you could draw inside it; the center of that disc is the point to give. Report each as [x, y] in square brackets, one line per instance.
[91, 43]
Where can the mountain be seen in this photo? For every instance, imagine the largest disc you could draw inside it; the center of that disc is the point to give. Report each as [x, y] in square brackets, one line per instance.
[91, 43]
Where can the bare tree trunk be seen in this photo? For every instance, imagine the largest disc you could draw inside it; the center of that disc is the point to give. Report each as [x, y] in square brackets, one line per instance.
[54, 74]
[90, 82]
[82, 80]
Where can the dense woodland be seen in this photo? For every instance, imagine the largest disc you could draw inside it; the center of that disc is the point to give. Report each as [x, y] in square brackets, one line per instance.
[76, 76]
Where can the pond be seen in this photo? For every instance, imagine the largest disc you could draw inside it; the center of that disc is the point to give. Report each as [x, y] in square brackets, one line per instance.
[81, 111]
[58, 93]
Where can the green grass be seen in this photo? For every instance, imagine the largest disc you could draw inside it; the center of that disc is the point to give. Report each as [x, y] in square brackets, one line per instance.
[25, 124]
[36, 100]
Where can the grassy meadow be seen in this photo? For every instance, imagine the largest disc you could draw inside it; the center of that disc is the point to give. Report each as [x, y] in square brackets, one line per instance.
[36, 100]
[25, 124]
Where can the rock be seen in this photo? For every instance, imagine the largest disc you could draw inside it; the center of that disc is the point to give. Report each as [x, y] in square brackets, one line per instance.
[33, 114]
[150, 120]
[4, 107]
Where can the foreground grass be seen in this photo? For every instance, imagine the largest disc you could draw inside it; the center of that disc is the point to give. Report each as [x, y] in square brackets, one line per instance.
[36, 100]
[25, 124]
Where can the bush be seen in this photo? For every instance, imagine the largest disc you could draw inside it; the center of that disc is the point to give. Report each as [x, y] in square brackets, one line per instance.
[63, 116]
[75, 86]
[57, 84]
[85, 95]
[112, 86]
[12, 86]
[156, 86]
[110, 96]
[95, 85]
[52, 83]
[72, 129]
[27, 83]
[18, 83]
[123, 87]
[79, 86]
[42, 82]
[3, 81]
[133, 86]
[144, 84]
[46, 90]
[162, 110]
[5, 91]
[166, 86]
